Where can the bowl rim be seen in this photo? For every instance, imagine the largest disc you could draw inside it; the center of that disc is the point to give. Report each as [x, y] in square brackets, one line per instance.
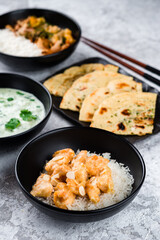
[76, 212]
[49, 55]
[46, 115]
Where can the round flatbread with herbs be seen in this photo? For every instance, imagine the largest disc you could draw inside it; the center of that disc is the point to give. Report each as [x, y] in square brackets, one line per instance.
[129, 113]
[93, 100]
[85, 85]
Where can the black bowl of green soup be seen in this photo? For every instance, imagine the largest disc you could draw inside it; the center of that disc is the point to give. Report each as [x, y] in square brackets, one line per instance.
[25, 107]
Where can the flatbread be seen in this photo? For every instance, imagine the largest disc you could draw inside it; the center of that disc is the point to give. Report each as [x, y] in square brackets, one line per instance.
[111, 68]
[93, 100]
[53, 82]
[90, 67]
[74, 71]
[60, 83]
[129, 113]
[123, 85]
[85, 85]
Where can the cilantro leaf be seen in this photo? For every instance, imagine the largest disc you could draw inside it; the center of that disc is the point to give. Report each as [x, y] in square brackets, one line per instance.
[10, 99]
[19, 93]
[12, 124]
[26, 115]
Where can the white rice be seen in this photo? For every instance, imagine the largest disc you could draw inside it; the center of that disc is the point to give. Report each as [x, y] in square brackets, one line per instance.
[122, 180]
[17, 45]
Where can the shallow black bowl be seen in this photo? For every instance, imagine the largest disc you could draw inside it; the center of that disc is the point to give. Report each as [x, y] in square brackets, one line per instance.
[52, 17]
[9, 80]
[91, 139]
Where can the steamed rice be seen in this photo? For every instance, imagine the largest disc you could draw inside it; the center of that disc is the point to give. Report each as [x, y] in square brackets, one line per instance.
[17, 45]
[122, 180]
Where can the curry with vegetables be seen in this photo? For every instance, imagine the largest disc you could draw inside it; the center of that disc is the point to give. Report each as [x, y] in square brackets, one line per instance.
[50, 38]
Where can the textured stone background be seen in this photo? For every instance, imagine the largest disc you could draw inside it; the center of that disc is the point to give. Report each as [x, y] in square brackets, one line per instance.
[131, 27]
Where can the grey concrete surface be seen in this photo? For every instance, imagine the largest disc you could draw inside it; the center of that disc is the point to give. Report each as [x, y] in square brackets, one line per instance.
[131, 27]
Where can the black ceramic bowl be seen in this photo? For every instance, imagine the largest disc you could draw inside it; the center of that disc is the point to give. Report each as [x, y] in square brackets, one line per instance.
[9, 80]
[95, 140]
[52, 17]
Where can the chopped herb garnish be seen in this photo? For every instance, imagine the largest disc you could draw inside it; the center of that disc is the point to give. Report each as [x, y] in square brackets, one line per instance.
[150, 116]
[49, 35]
[38, 106]
[151, 109]
[20, 93]
[26, 115]
[10, 99]
[12, 124]
[32, 100]
[1, 101]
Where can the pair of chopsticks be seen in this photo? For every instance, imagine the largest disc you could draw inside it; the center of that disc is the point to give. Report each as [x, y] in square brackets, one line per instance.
[106, 51]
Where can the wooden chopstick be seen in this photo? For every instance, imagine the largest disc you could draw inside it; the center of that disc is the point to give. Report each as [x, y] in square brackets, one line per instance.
[147, 67]
[104, 52]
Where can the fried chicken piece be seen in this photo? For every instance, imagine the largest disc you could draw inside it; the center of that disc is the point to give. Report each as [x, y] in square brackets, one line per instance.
[81, 175]
[59, 173]
[105, 182]
[42, 187]
[95, 164]
[63, 196]
[102, 183]
[73, 185]
[77, 185]
[79, 160]
[60, 157]
[92, 190]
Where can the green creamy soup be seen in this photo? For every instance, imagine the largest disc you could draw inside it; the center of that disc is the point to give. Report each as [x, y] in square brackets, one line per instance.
[19, 111]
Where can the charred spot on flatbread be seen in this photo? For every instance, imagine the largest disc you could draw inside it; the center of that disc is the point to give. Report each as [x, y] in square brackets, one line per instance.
[140, 126]
[90, 115]
[103, 110]
[139, 120]
[126, 112]
[122, 85]
[121, 126]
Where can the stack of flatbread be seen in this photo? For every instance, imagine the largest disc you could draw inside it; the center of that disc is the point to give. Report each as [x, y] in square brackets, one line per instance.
[106, 98]
[60, 83]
